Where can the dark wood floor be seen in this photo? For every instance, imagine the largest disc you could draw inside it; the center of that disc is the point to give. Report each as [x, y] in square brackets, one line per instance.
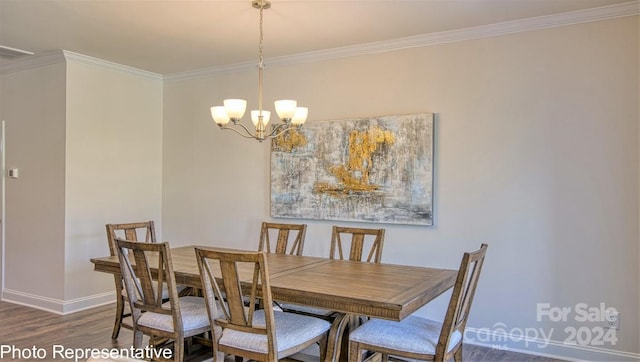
[25, 328]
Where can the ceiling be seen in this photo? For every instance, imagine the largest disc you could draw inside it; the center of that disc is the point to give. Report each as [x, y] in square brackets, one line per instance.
[173, 36]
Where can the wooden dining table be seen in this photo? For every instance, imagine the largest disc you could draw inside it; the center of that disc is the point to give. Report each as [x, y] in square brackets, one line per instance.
[349, 288]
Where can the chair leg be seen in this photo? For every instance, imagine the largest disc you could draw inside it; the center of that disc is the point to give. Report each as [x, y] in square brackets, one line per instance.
[322, 343]
[137, 339]
[119, 315]
[457, 355]
[355, 353]
[219, 357]
[188, 345]
[178, 349]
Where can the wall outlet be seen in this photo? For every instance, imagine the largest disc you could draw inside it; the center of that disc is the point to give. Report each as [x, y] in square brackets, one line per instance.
[612, 318]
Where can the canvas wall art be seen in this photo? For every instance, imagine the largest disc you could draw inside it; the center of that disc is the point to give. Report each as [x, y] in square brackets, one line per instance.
[377, 169]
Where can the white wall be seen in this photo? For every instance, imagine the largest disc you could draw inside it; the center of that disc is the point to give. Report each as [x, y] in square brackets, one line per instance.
[113, 163]
[33, 107]
[537, 153]
[87, 137]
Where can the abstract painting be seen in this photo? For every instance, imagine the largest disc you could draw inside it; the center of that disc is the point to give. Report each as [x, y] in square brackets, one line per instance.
[376, 169]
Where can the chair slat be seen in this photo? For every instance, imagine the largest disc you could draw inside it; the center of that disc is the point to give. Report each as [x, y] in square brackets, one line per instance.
[359, 238]
[285, 234]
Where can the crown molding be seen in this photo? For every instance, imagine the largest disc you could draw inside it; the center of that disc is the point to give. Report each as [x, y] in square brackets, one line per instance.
[62, 56]
[630, 8]
[32, 61]
[81, 58]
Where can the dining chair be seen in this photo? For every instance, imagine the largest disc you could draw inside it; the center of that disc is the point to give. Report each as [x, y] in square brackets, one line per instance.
[282, 234]
[342, 238]
[176, 319]
[246, 332]
[418, 338]
[359, 237]
[137, 231]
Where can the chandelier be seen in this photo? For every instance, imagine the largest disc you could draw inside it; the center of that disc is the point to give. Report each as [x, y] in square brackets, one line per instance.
[290, 114]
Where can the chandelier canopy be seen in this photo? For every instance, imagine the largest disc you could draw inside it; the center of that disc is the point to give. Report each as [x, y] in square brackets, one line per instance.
[233, 110]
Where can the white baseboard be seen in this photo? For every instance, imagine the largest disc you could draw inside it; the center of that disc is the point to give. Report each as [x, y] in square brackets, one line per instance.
[57, 306]
[546, 348]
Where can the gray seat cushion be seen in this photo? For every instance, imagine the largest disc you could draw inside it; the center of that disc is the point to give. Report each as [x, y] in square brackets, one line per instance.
[412, 334]
[291, 330]
[193, 311]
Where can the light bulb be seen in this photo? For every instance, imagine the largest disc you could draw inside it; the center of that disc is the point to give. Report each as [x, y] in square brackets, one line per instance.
[300, 116]
[219, 115]
[235, 108]
[285, 109]
[265, 117]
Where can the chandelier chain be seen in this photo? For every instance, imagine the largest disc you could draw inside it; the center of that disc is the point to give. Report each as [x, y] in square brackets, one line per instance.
[260, 47]
[260, 62]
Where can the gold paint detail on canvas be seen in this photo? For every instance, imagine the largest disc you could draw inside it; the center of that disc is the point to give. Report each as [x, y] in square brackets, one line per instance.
[354, 175]
[289, 140]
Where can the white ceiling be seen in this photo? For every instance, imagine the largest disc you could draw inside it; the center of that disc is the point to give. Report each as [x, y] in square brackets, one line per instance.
[172, 36]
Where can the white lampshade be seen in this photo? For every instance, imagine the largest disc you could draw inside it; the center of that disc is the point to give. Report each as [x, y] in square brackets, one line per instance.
[219, 115]
[265, 117]
[285, 108]
[300, 116]
[235, 108]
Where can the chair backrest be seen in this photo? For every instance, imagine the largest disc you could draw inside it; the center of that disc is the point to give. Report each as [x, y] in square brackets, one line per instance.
[461, 297]
[283, 233]
[236, 316]
[359, 237]
[137, 231]
[144, 294]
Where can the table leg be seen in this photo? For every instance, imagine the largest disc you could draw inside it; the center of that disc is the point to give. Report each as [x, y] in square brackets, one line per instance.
[338, 341]
[334, 342]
